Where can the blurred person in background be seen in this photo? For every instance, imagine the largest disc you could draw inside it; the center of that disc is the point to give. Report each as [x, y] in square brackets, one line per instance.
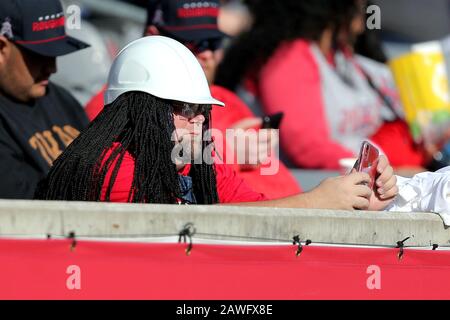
[299, 58]
[197, 28]
[38, 118]
[152, 107]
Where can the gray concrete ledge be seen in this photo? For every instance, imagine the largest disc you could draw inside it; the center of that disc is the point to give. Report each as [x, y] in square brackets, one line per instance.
[38, 218]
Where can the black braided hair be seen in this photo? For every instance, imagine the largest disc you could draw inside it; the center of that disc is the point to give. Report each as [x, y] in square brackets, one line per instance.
[142, 125]
[276, 22]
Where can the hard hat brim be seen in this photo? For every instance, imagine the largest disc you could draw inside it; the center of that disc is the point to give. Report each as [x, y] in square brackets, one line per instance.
[112, 94]
[209, 101]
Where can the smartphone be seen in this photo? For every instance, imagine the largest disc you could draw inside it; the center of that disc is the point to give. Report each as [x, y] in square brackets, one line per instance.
[368, 161]
[272, 121]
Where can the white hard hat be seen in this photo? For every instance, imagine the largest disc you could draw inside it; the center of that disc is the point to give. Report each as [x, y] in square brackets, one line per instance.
[161, 67]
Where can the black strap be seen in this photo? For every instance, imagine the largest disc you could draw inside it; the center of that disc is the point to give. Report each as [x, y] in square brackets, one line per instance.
[186, 233]
[383, 97]
[74, 240]
[296, 241]
[400, 245]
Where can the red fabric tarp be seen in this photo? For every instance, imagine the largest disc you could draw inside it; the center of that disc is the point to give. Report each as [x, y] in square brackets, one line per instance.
[40, 269]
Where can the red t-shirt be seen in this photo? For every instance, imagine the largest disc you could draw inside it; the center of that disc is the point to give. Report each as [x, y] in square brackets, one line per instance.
[230, 188]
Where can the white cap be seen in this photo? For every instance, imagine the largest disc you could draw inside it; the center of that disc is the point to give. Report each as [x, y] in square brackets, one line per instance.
[161, 67]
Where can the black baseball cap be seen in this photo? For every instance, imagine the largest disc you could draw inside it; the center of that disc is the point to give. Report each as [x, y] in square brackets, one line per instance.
[38, 26]
[185, 20]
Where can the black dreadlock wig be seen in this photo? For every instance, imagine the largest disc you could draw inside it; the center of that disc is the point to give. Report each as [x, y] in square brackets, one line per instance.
[275, 22]
[142, 125]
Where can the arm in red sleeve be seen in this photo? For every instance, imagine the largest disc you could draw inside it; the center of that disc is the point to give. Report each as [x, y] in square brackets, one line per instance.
[234, 110]
[232, 189]
[290, 82]
[225, 118]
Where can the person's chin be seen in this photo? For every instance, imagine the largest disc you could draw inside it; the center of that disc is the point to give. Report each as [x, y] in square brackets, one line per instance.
[39, 90]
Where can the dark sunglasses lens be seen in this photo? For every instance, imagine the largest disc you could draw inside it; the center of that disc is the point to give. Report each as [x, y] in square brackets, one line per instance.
[190, 111]
[215, 44]
[208, 44]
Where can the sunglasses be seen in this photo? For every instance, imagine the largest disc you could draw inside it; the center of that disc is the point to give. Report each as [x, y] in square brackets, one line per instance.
[203, 45]
[190, 111]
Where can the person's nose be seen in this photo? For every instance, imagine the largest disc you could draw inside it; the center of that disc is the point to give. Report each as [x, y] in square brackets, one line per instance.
[198, 119]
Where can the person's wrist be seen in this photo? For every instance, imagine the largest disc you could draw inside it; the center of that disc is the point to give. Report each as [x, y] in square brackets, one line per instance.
[314, 199]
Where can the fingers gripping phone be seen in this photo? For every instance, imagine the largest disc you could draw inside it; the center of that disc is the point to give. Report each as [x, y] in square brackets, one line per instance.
[273, 121]
[368, 161]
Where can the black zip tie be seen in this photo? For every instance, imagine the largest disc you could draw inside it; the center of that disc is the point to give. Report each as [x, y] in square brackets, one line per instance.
[435, 246]
[400, 245]
[74, 240]
[187, 232]
[296, 240]
[49, 236]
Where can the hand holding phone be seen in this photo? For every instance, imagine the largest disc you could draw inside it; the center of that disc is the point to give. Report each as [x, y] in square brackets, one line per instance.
[368, 161]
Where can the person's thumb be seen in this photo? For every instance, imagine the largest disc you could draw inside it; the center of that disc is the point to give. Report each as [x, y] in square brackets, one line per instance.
[248, 123]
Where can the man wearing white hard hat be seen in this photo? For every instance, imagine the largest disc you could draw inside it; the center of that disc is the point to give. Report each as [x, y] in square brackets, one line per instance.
[196, 26]
[157, 99]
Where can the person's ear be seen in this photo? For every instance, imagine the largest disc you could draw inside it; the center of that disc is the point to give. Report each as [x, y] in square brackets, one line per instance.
[5, 48]
[152, 31]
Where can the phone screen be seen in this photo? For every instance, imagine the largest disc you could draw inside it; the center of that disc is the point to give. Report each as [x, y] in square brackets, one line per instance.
[368, 161]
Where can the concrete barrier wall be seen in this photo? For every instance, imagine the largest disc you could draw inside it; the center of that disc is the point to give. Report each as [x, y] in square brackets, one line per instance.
[38, 218]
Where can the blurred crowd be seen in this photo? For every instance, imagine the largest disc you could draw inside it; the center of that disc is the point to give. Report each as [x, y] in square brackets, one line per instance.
[314, 64]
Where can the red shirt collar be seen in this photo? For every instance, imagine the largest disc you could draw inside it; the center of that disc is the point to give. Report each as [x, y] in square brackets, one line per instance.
[185, 170]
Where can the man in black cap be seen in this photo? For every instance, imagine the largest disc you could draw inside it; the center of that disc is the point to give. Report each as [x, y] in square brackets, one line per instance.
[193, 23]
[38, 119]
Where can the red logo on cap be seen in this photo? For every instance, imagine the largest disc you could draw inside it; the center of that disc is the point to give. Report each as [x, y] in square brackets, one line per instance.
[197, 12]
[48, 24]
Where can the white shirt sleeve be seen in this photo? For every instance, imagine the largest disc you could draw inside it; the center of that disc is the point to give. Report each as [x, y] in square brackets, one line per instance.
[425, 192]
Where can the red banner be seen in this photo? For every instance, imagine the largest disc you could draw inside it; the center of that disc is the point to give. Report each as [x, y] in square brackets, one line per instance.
[49, 269]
